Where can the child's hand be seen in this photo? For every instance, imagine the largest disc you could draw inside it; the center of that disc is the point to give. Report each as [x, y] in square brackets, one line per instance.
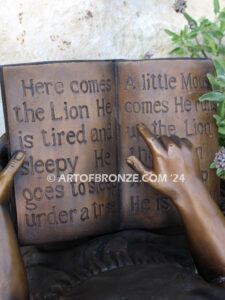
[7, 175]
[173, 157]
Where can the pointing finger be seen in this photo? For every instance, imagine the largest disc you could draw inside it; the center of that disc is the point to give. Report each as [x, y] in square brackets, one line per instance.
[150, 139]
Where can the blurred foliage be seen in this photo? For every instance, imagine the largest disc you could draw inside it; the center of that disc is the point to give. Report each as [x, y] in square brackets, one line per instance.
[205, 38]
[218, 95]
[202, 38]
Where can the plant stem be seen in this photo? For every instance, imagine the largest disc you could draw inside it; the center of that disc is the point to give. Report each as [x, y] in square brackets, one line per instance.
[203, 52]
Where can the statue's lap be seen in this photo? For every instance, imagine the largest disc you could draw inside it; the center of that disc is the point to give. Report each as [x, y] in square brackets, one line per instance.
[131, 264]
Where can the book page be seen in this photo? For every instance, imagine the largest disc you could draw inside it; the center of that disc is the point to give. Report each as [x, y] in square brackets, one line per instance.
[163, 94]
[63, 116]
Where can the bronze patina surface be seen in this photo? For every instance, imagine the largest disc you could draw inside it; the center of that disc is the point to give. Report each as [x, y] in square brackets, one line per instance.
[201, 216]
[80, 117]
[130, 264]
[63, 116]
[13, 280]
[164, 95]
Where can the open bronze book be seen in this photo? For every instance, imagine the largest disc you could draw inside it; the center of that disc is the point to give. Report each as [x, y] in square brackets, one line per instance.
[79, 117]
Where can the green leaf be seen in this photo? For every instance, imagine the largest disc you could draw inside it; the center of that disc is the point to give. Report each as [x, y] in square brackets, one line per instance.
[213, 165]
[195, 55]
[217, 118]
[219, 66]
[214, 47]
[219, 172]
[221, 130]
[221, 16]
[182, 34]
[214, 84]
[206, 36]
[213, 96]
[190, 19]
[185, 31]
[189, 44]
[221, 49]
[221, 80]
[205, 23]
[208, 49]
[193, 34]
[220, 109]
[217, 34]
[216, 6]
[171, 33]
[179, 51]
[222, 25]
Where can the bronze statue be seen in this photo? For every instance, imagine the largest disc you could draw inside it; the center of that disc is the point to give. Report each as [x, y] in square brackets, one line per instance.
[12, 275]
[85, 122]
[203, 220]
[81, 269]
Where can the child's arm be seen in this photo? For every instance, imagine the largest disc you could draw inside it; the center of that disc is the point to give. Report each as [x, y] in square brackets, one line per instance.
[202, 218]
[13, 281]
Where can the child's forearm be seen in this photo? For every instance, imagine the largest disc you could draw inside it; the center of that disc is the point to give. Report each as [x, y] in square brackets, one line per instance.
[204, 222]
[205, 227]
[13, 281]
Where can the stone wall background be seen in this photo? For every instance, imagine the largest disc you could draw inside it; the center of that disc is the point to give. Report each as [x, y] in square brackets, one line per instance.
[89, 29]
